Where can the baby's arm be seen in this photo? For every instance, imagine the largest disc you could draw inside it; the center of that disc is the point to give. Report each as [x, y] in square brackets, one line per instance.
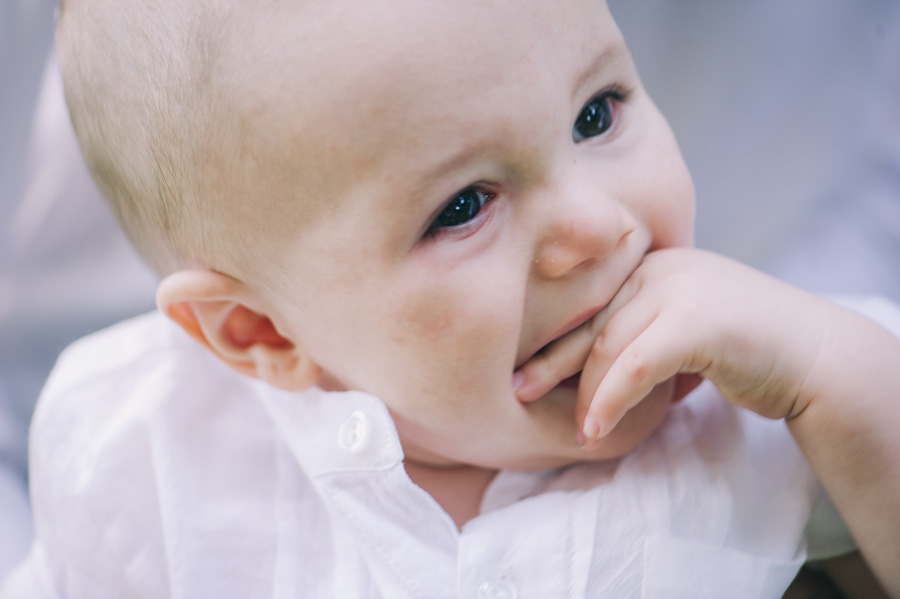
[849, 435]
[768, 347]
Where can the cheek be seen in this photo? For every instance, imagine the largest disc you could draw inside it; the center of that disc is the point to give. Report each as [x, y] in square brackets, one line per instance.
[666, 198]
[457, 305]
[450, 329]
[673, 216]
[425, 318]
[462, 332]
[449, 367]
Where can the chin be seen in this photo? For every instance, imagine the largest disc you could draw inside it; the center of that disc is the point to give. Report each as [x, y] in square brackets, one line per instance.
[635, 427]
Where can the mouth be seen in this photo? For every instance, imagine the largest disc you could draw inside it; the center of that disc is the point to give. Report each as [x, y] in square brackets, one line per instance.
[535, 390]
[581, 320]
[572, 382]
[635, 247]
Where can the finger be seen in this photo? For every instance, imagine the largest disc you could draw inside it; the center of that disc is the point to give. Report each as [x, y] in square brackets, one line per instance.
[566, 356]
[558, 361]
[631, 321]
[654, 357]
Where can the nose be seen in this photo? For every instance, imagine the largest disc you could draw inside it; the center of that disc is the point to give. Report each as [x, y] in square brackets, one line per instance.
[581, 225]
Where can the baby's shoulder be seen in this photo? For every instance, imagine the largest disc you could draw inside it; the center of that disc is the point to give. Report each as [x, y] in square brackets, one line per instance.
[140, 378]
[135, 423]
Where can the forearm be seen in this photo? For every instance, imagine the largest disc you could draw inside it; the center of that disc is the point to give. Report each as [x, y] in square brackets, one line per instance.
[849, 434]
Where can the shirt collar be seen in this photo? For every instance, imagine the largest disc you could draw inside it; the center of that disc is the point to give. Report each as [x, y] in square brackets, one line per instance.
[330, 432]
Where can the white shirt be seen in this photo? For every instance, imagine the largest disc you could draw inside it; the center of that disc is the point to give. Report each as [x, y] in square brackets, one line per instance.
[157, 472]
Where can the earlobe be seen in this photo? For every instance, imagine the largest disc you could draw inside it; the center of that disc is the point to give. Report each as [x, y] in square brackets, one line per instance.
[215, 310]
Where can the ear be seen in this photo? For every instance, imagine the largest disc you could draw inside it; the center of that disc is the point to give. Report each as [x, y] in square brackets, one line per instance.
[215, 310]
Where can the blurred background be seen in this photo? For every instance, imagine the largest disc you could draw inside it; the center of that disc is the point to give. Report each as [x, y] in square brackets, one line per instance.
[788, 114]
[65, 270]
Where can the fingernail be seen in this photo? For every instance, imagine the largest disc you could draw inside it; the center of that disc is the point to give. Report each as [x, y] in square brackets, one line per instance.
[518, 379]
[580, 439]
[591, 428]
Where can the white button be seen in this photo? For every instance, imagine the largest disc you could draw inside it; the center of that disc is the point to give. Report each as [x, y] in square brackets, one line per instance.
[354, 434]
[497, 589]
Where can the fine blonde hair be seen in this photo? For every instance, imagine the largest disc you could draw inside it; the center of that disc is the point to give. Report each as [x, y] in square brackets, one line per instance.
[152, 102]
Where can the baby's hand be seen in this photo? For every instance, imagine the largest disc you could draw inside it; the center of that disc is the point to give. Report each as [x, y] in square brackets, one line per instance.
[697, 315]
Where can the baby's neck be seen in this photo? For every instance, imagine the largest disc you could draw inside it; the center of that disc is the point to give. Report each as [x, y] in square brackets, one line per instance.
[459, 489]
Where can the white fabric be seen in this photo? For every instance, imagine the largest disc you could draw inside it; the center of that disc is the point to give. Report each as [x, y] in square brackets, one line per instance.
[157, 472]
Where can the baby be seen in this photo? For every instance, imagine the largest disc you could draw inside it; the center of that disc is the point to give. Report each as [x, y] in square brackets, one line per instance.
[448, 243]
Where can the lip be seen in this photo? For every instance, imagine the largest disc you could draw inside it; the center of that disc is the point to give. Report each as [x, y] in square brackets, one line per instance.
[586, 315]
[574, 323]
[570, 326]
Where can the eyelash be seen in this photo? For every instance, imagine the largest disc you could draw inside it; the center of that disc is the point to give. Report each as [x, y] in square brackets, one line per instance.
[484, 197]
[611, 97]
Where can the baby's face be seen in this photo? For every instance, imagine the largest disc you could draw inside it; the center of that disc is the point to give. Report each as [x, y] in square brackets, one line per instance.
[470, 181]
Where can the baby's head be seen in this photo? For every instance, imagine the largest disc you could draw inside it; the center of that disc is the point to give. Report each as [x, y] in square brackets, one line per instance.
[406, 198]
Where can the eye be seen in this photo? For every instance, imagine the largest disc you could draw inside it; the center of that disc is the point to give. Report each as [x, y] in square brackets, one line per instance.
[598, 115]
[462, 208]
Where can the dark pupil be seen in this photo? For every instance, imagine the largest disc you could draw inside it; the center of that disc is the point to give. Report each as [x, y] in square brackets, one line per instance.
[594, 119]
[462, 209]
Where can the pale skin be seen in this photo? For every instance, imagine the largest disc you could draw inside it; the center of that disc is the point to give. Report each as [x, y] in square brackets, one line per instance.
[443, 316]
[466, 322]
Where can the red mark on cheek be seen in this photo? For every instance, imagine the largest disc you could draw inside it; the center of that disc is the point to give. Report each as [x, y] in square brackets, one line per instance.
[432, 327]
[438, 326]
[429, 320]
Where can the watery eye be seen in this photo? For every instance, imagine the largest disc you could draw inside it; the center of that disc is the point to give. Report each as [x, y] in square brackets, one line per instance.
[595, 118]
[462, 208]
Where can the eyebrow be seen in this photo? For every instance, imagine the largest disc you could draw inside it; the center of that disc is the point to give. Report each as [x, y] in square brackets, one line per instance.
[454, 162]
[607, 55]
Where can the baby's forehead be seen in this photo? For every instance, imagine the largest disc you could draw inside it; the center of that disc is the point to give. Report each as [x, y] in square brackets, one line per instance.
[315, 96]
[397, 71]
